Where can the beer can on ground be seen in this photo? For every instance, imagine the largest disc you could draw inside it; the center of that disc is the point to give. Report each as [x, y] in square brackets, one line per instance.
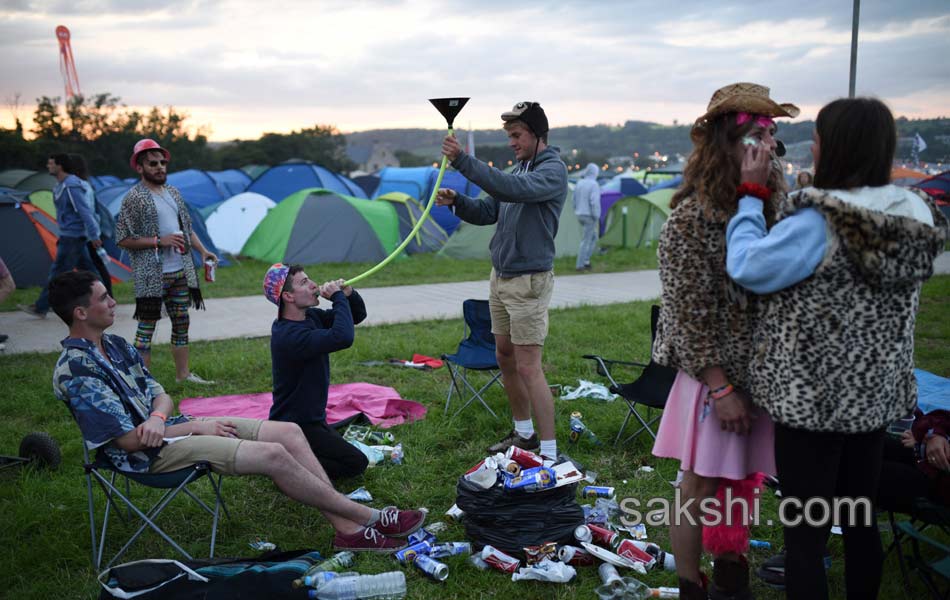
[431, 567]
[409, 553]
[499, 560]
[578, 557]
[598, 491]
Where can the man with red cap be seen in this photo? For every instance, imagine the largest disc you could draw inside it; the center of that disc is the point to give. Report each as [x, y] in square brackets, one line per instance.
[154, 226]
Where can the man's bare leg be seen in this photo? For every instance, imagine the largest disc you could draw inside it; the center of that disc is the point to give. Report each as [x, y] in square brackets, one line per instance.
[273, 460]
[518, 395]
[531, 376]
[180, 356]
[292, 438]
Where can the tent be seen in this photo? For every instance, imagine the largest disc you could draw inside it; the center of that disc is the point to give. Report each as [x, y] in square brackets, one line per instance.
[230, 182]
[233, 221]
[369, 183]
[430, 236]
[11, 177]
[103, 181]
[282, 180]
[37, 181]
[905, 176]
[317, 225]
[253, 171]
[28, 242]
[112, 196]
[471, 241]
[418, 183]
[197, 187]
[645, 217]
[937, 186]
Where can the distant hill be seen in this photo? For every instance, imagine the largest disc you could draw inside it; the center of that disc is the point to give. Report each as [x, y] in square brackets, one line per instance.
[636, 136]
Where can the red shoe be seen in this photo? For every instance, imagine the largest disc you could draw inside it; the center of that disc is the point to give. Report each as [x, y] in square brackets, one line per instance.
[367, 539]
[399, 523]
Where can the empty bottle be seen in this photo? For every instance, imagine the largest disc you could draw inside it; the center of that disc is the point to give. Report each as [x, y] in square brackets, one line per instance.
[101, 251]
[337, 562]
[579, 430]
[385, 586]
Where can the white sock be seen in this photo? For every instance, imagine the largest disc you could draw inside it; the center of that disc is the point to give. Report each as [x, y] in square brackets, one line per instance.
[549, 449]
[374, 518]
[524, 428]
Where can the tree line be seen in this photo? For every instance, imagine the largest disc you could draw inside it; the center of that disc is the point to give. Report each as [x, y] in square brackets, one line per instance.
[103, 130]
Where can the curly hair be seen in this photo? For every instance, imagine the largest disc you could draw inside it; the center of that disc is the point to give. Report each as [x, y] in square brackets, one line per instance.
[713, 170]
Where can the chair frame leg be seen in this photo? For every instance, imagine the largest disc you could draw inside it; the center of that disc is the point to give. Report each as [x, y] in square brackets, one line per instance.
[644, 424]
[476, 394]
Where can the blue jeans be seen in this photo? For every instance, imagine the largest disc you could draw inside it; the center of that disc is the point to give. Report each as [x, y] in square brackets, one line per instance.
[71, 253]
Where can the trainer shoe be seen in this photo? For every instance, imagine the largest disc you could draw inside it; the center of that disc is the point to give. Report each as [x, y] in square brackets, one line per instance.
[193, 378]
[399, 523]
[31, 310]
[513, 439]
[367, 539]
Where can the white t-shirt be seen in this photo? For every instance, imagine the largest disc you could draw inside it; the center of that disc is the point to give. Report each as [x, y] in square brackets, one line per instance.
[168, 223]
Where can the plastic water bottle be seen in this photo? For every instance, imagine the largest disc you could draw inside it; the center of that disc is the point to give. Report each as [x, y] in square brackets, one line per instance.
[101, 251]
[337, 562]
[385, 586]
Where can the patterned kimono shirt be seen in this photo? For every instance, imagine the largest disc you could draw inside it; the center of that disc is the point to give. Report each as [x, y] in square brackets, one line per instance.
[108, 399]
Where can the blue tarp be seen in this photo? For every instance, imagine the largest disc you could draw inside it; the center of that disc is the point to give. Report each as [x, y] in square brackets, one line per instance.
[282, 180]
[933, 391]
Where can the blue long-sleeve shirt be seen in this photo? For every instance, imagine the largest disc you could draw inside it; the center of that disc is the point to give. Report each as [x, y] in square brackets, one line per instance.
[74, 214]
[764, 261]
[300, 357]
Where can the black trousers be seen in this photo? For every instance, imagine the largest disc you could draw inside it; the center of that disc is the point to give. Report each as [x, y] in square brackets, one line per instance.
[828, 466]
[901, 480]
[338, 457]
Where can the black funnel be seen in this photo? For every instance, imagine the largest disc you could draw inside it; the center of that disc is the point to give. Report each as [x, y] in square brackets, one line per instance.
[449, 107]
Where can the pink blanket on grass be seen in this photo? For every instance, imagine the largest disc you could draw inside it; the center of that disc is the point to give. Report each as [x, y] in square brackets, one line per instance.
[383, 406]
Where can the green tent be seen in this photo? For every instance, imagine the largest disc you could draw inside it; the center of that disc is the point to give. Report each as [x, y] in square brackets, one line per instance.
[645, 217]
[44, 200]
[471, 241]
[430, 237]
[316, 225]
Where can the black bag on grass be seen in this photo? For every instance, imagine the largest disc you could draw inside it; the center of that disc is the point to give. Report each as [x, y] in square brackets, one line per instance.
[512, 520]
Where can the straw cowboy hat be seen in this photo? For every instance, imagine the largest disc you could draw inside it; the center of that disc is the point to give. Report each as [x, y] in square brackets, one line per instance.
[744, 97]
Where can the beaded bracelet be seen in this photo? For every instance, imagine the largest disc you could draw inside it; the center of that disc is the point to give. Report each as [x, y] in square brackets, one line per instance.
[753, 189]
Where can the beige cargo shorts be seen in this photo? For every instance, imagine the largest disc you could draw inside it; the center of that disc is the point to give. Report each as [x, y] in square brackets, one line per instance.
[519, 306]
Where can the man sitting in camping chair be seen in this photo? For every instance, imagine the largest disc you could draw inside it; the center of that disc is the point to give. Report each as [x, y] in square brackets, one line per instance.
[125, 413]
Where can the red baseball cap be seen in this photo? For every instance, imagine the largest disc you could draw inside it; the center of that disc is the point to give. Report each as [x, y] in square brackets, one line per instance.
[146, 145]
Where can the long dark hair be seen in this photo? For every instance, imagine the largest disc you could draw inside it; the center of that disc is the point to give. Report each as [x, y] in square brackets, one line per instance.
[713, 171]
[76, 165]
[856, 142]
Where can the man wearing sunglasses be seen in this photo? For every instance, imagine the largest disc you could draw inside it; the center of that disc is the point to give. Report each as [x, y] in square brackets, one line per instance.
[155, 227]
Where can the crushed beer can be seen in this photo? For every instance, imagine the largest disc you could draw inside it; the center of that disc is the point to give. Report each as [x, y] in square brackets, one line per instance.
[525, 458]
[631, 551]
[603, 537]
[422, 534]
[499, 560]
[532, 480]
[360, 494]
[409, 553]
[437, 527]
[455, 513]
[573, 555]
[431, 567]
[476, 561]
[450, 549]
[598, 491]
[545, 551]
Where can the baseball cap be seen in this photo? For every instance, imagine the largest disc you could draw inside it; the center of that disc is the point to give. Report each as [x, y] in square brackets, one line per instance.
[531, 114]
[146, 145]
[274, 281]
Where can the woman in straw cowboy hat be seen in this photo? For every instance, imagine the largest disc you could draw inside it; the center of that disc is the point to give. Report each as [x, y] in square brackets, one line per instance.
[704, 331]
[834, 357]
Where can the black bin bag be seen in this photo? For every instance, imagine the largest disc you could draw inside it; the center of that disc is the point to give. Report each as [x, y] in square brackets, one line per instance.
[512, 520]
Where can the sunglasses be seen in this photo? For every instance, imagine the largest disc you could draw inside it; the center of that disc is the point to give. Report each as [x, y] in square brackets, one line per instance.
[155, 163]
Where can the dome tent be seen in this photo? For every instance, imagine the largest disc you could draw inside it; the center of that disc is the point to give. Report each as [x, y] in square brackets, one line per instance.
[430, 237]
[645, 217]
[280, 181]
[233, 221]
[316, 225]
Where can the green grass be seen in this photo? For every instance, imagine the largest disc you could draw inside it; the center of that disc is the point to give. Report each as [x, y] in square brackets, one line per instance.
[45, 552]
[244, 279]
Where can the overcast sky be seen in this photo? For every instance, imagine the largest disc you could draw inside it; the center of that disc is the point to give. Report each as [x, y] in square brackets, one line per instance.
[243, 68]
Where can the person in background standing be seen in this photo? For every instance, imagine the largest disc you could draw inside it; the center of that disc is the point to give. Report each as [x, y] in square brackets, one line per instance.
[77, 166]
[587, 209]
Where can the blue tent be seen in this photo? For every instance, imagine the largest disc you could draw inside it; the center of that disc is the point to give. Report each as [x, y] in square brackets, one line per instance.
[418, 183]
[103, 181]
[669, 183]
[112, 196]
[198, 188]
[231, 182]
[284, 179]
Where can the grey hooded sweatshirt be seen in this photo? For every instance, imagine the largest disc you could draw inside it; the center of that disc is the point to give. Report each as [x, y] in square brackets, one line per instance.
[526, 204]
[587, 193]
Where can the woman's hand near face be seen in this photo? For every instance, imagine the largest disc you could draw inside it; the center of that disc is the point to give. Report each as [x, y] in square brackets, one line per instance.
[756, 163]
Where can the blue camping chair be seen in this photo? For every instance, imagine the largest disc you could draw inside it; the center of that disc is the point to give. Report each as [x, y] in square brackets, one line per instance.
[476, 352]
[173, 482]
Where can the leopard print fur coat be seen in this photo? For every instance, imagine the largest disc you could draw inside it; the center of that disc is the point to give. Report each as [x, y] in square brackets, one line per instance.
[835, 352]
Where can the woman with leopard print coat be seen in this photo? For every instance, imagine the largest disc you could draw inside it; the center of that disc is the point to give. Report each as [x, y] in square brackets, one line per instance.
[705, 332]
[833, 357]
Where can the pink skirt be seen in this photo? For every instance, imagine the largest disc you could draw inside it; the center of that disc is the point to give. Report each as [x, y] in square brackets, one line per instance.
[703, 447]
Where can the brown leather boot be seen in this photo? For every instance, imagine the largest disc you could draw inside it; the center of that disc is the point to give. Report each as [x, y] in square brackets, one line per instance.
[730, 580]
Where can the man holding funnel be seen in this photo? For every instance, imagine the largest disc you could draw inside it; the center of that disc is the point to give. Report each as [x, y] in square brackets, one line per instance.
[526, 205]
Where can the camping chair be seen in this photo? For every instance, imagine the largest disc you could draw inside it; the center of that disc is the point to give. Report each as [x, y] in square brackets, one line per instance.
[476, 352]
[923, 516]
[650, 389]
[105, 474]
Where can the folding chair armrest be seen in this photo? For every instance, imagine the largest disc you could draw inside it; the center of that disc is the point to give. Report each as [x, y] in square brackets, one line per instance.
[908, 528]
[603, 369]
